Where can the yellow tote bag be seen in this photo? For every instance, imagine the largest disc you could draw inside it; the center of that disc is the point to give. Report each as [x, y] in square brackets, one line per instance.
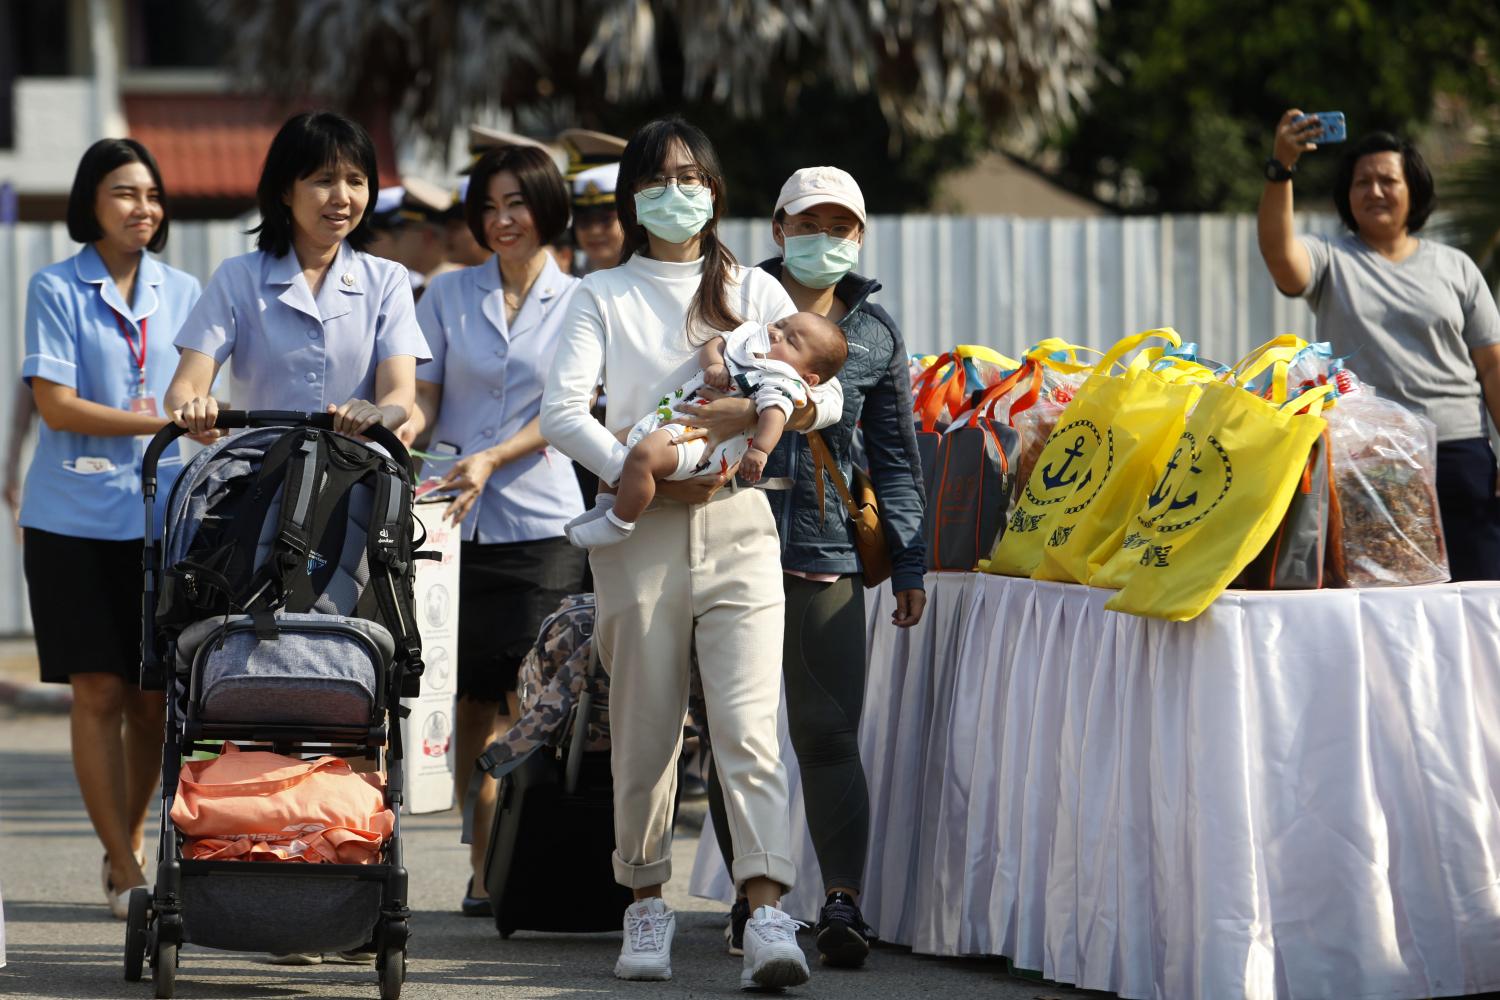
[1115, 567]
[1149, 419]
[1221, 494]
[1065, 469]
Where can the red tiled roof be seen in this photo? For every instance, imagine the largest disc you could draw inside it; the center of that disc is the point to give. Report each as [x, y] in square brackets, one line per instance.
[207, 145]
[213, 145]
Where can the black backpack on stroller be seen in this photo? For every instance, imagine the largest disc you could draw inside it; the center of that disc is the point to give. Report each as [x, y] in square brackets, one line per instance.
[278, 617]
[342, 545]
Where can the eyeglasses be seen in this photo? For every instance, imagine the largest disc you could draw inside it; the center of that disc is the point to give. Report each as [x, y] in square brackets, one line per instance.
[806, 227]
[689, 182]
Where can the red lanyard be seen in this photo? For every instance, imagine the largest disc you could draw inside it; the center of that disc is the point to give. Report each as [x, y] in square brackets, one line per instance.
[137, 356]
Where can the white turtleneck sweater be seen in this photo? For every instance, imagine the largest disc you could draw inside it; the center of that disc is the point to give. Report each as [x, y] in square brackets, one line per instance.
[625, 327]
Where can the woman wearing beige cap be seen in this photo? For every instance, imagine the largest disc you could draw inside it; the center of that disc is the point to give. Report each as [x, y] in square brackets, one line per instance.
[819, 224]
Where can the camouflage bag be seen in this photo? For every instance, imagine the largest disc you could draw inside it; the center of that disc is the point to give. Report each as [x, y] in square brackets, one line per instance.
[551, 679]
[550, 682]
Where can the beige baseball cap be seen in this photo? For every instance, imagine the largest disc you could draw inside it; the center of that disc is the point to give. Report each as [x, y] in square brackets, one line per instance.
[821, 186]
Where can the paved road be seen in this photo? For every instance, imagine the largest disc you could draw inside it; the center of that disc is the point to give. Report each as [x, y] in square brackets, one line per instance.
[62, 943]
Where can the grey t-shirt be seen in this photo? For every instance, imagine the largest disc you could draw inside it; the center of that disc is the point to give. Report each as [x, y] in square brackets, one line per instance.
[1407, 328]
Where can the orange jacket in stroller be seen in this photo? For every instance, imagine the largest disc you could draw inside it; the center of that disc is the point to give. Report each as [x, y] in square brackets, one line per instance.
[259, 806]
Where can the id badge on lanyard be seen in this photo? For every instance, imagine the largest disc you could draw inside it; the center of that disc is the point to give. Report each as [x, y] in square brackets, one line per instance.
[141, 400]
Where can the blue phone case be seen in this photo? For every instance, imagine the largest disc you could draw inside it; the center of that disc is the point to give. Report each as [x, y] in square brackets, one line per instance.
[1332, 123]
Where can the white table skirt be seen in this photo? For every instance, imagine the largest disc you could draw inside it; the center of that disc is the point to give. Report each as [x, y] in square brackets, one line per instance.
[1294, 795]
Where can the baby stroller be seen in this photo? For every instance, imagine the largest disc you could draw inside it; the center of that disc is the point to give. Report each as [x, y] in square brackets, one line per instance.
[278, 617]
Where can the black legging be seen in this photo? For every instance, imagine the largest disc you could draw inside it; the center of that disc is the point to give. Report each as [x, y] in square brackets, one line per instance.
[824, 666]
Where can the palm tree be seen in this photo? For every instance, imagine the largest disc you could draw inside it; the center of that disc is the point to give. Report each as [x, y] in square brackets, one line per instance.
[1003, 62]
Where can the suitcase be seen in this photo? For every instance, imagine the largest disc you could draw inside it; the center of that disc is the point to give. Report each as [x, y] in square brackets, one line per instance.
[548, 866]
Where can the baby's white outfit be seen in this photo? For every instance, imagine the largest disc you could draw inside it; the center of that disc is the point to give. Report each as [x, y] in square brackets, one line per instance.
[768, 382]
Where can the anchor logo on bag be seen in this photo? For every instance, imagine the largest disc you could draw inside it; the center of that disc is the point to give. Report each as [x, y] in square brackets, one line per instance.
[1160, 494]
[1190, 474]
[1064, 465]
[1055, 480]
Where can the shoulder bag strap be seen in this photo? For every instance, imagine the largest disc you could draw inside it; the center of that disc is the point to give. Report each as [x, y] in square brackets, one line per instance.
[823, 460]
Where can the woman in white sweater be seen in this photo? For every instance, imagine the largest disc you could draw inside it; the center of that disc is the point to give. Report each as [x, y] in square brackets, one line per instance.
[702, 567]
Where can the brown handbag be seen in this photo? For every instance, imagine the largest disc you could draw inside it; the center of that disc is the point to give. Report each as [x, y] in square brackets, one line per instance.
[864, 512]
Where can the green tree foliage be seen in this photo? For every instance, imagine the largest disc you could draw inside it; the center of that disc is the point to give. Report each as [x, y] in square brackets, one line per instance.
[1185, 117]
[1470, 197]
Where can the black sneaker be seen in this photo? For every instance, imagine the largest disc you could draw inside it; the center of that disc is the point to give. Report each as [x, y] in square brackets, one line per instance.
[843, 935]
[734, 931]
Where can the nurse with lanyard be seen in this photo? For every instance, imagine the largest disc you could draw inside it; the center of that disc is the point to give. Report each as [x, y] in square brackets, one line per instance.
[311, 322]
[99, 329]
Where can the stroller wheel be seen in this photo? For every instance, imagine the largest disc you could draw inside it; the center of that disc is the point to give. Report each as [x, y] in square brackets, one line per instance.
[164, 970]
[136, 938]
[392, 973]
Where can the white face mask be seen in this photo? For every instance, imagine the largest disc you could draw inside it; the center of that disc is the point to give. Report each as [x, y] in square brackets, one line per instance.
[819, 260]
[674, 216]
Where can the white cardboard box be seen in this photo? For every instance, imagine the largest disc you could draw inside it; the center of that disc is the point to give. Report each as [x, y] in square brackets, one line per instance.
[427, 734]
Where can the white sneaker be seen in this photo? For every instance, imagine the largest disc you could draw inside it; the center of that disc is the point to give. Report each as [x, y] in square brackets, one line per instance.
[646, 952]
[773, 958]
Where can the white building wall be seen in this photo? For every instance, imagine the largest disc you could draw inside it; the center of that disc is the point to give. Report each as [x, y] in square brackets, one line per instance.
[55, 123]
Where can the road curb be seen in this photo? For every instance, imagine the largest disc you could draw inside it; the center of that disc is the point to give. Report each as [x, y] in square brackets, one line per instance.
[48, 699]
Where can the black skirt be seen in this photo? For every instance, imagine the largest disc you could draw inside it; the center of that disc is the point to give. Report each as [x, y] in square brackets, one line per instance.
[85, 604]
[504, 593]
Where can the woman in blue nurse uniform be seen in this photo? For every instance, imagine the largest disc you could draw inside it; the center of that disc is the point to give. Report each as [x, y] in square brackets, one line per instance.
[99, 329]
[493, 330]
[311, 322]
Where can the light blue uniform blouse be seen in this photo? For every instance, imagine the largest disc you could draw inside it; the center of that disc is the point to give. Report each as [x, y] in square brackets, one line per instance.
[492, 374]
[73, 339]
[291, 351]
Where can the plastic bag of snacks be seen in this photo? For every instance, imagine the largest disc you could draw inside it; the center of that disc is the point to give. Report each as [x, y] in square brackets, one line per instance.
[1389, 531]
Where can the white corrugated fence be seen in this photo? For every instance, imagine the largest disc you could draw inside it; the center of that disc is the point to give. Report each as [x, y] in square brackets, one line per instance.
[1002, 282]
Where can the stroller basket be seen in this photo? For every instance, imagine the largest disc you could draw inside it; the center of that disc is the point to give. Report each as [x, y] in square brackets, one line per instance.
[318, 670]
[249, 906]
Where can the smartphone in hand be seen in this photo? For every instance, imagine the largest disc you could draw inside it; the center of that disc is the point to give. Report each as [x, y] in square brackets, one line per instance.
[1332, 123]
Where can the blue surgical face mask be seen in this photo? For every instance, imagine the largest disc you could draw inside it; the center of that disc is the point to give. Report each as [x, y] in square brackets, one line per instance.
[675, 217]
[819, 260]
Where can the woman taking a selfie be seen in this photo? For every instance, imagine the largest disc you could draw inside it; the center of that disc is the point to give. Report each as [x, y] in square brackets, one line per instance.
[1415, 315]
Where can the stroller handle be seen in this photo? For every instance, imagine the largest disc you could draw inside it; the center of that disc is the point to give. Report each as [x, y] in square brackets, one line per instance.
[153, 670]
[236, 419]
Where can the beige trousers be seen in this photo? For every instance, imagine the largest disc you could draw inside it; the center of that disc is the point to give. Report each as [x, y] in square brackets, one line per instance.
[710, 575]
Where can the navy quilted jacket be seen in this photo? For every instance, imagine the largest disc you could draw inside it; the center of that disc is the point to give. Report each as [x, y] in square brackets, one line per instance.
[877, 398]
